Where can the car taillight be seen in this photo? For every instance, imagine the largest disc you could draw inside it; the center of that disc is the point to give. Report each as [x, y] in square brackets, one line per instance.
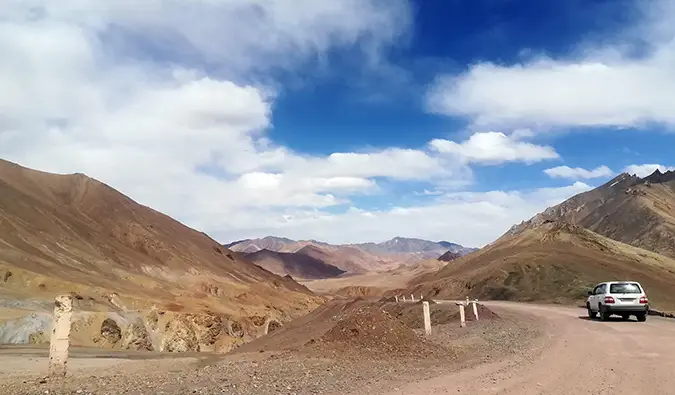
[609, 299]
[644, 300]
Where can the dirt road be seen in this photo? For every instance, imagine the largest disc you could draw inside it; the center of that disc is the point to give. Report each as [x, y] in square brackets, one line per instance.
[576, 356]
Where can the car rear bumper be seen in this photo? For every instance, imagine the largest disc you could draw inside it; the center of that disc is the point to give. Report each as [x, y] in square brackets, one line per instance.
[618, 309]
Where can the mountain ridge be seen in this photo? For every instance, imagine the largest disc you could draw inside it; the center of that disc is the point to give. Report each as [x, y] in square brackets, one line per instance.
[633, 210]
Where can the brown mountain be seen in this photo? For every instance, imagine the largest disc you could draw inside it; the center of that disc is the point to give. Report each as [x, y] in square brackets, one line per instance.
[357, 258]
[552, 262]
[449, 256]
[633, 210]
[296, 264]
[71, 233]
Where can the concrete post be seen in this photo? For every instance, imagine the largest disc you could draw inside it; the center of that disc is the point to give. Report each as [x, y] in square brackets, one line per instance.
[396, 298]
[475, 309]
[60, 338]
[462, 318]
[427, 318]
[404, 299]
[412, 297]
[421, 296]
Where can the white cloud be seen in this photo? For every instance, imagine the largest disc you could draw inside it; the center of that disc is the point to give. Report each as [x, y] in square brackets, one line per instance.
[600, 84]
[469, 218]
[646, 169]
[494, 147]
[576, 173]
[184, 130]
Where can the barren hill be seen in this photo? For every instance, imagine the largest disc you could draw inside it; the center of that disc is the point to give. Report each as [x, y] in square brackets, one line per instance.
[554, 262]
[633, 210]
[296, 264]
[71, 233]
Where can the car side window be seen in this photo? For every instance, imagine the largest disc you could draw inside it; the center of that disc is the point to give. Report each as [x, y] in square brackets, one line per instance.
[596, 290]
[600, 290]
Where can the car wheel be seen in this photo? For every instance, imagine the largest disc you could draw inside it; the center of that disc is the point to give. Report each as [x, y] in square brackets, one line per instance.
[641, 317]
[604, 315]
[591, 314]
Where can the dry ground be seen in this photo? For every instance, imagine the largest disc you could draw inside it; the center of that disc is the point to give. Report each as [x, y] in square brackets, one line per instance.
[325, 366]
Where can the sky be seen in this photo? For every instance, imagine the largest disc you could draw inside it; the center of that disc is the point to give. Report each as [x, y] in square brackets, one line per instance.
[341, 120]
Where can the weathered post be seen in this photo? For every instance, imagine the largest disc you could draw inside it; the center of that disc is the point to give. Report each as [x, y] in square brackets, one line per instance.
[462, 318]
[475, 309]
[427, 318]
[421, 296]
[396, 298]
[403, 299]
[412, 297]
[60, 338]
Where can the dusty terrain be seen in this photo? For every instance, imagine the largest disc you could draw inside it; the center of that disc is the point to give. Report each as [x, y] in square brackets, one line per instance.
[372, 284]
[636, 358]
[140, 279]
[526, 349]
[635, 211]
[354, 348]
[555, 262]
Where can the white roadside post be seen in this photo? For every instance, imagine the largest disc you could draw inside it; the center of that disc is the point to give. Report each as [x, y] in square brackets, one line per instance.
[412, 297]
[475, 309]
[427, 318]
[462, 318]
[396, 298]
[421, 296]
[404, 299]
[60, 338]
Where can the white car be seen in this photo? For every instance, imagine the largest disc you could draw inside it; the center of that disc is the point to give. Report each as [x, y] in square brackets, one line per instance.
[623, 298]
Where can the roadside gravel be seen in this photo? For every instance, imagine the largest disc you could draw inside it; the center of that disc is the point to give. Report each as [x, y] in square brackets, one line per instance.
[310, 370]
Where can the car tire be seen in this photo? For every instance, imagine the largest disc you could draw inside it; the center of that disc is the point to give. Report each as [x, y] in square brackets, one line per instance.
[604, 315]
[642, 317]
[591, 314]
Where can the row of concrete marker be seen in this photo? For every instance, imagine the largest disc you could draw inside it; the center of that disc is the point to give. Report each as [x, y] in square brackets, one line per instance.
[412, 298]
[462, 318]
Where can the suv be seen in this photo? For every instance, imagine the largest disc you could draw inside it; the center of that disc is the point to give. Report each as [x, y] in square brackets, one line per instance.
[624, 298]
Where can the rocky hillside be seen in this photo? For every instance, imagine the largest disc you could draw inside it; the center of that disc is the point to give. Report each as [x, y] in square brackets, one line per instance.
[629, 209]
[358, 258]
[154, 277]
[300, 265]
[552, 262]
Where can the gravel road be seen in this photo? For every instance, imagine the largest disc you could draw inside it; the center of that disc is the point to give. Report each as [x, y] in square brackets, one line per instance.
[575, 356]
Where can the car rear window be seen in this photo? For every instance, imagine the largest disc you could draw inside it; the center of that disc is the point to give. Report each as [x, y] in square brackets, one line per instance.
[624, 288]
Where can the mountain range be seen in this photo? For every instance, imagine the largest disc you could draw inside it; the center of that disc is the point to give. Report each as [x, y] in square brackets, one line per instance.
[621, 230]
[346, 258]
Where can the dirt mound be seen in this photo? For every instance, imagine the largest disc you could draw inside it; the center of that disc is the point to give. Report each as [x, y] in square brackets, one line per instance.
[441, 314]
[372, 331]
[356, 291]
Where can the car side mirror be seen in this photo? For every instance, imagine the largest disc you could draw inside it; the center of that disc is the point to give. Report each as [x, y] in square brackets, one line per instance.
[590, 293]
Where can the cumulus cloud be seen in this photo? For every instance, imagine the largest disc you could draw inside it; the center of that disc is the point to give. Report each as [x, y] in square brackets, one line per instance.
[469, 218]
[600, 84]
[170, 103]
[576, 173]
[494, 147]
[646, 169]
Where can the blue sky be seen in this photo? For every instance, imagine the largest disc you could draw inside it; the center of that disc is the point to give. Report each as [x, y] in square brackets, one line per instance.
[342, 120]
